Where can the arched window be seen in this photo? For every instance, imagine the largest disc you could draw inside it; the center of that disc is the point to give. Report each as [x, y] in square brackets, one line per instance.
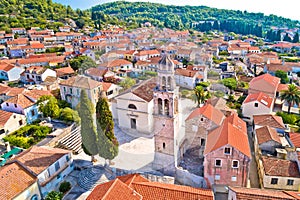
[167, 107]
[169, 82]
[160, 107]
[163, 82]
[131, 106]
[164, 145]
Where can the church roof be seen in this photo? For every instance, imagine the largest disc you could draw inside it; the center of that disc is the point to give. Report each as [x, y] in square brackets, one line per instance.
[145, 90]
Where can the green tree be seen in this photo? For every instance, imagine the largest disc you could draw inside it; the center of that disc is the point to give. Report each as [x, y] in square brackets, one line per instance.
[201, 95]
[82, 63]
[291, 96]
[53, 195]
[86, 113]
[287, 38]
[283, 76]
[48, 105]
[231, 83]
[127, 83]
[69, 115]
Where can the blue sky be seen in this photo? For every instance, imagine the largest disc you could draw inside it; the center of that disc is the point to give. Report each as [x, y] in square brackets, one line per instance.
[285, 8]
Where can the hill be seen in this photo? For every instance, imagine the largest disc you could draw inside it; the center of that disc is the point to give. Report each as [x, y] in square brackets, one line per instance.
[41, 13]
[184, 17]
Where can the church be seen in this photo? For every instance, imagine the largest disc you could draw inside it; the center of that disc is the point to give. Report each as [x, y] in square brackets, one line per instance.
[152, 108]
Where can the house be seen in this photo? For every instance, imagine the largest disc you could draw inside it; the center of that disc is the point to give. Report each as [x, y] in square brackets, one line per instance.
[227, 154]
[19, 31]
[136, 103]
[136, 187]
[202, 70]
[70, 89]
[266, 140]
[111, 90]
[237, 193]
[65, 72]
[270, 120]
[18, 183]
[49, 165]
[36, 75]
[257, 104]
[187, 78]
[265, 83]
[146, 54]
[89, 53]
[50, 83]
[275, 173]
[96, 73]
[10, 122]
[9, 72]
[119, 66]
[198, 124]
[25, 104]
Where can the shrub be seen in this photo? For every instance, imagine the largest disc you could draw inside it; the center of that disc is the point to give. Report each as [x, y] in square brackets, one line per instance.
[53, 195]
[69, 115]
[185, 93]
[65, 187]
[150, 73]
[288, 118]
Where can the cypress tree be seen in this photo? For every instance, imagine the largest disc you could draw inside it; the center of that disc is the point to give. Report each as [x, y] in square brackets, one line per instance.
[88, 129]
[296, 38]
[287, 38]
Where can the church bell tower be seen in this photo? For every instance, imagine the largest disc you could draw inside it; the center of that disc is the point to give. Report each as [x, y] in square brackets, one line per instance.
[166, 118]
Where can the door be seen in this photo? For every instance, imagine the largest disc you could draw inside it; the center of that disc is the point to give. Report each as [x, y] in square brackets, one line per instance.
[133, 123]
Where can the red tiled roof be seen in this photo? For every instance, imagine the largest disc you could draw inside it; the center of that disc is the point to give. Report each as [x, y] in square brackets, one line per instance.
[118, 62]
[64, 71]
[106, 86]
[233, 132]
[255, 193]
[14, 179]
[81, 82]
[145, 90]
[265, 134]
[269, 120]
[272, 80]
[4, 117]
[136, 187]
[260, 97]
[209, 112]
[96, 72]
[295, 138]
[6, 66]
[21, 100]
[185, 72]
[276, 67]
[279, 167]
[37, 159]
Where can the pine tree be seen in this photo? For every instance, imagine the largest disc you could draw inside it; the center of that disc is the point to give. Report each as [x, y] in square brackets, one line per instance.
[88, 130]
[108, 144]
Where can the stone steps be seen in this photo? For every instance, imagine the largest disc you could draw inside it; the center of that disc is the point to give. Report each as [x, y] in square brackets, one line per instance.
[72, 141]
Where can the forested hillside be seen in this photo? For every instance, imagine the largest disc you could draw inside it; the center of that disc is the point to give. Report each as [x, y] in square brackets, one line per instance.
[183, 17]
[41, 13]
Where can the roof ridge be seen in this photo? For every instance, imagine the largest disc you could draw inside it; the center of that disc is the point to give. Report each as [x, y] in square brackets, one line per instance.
[111, 187]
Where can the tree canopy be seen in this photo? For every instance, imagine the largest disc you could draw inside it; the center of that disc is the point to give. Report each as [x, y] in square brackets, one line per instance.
[231, 83]
[291, 96]
[82, 63]
[48, 105]
[201, 95]
[283, 76]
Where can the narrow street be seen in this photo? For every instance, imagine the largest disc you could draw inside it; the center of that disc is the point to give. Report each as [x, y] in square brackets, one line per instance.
[254, 181]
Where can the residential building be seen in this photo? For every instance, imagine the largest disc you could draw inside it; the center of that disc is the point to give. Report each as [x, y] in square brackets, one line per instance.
[65, 72]
[227, 154]
[49, 165]
[270, 120]
[275, 173]
[188, 78]
[96, 73]
[18, 183]
[136, 187]
[257, 104]
[9, 72]
[70, 89]
[10, 122]
[36, 75]
[265, 83]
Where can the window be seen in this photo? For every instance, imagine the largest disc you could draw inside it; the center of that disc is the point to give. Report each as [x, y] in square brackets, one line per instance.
[233, 178]
[133, 123]
[16, 106]
[7, 104]
[217, 177]
[34, 197]
[67, 158]
[58, 176]
[235, 164]
[64, 89]
[57, 166]
[2, 131]
[201, 119]
[32, 113]
[218, 163]
[71, 90]
[131, 106]
[20, 122]
[202, 142]
[256, 105]
[227, 150]
[274, 181]
[164, 145]
[78, 93]
[290, 182]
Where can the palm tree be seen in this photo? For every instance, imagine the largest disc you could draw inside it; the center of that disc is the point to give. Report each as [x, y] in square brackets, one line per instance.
[291, 96]
[200, 95]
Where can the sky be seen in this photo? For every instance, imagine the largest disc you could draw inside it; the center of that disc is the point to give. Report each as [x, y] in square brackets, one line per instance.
[285, 8]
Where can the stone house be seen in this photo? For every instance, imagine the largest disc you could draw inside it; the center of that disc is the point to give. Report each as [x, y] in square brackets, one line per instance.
[198, 124]
[275, 173]
[227, 154]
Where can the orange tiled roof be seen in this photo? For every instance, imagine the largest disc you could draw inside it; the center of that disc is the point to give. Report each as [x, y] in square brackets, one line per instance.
[279, 167]
[136, 187]
[295, 138]
[106, 86]
[81, 82]
[64, 70]
[37, 159]
[6, 66]
[14, 179]
[209, 112]
[269, 120]
[118, 62]
[272, 80]
[145, 90]
[265, 134]
[21, 100]
[260, 97]
[233, 132]
[185, 72]
[255, 193]
[96, 72]
[4, 117]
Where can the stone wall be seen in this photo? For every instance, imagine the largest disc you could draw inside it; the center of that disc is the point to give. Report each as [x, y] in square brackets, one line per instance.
[186, 178]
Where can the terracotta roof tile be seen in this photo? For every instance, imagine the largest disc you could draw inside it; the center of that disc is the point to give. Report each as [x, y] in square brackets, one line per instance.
[4, 117]
[209, 112]
[260, 97]
[145, 90]
[254, 193]
[14, 179]
[265, 134]
[295, 138]
[64, 71]
[106, 86]
[37, 159]
[81, 82]
[21, 100]
[96, 72]
[185, 72]
[272, 80]
[233, 132]
[269, 120]
[6, 66]
[279, 167]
